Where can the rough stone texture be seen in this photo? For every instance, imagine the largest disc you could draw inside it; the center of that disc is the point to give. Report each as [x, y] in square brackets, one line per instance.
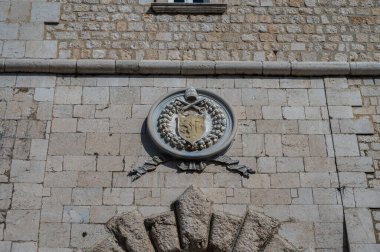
[130, 231]
[163, 232]
[256, 231]
[109, 244]
[272, 30]
[193, 211]
[224, 231]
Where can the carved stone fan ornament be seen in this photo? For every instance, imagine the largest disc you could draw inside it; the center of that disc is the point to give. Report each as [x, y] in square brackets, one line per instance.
[192, 127]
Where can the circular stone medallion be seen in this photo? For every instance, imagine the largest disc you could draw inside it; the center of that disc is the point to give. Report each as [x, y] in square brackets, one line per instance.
[192, 124]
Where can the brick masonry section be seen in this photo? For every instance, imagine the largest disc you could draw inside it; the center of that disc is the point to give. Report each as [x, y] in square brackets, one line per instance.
[68, 143]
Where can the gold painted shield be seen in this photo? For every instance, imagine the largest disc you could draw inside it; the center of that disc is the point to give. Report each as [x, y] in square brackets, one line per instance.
[191, 126]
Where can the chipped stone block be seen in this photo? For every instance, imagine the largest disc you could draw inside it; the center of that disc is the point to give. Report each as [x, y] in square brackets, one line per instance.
[163, 232]
[224, 231]
[130, 231]
[256, 231]
[193, 211]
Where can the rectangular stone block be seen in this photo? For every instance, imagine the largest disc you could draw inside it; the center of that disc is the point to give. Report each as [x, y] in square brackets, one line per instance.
[314, 127]
[46, 12]
[45, 49]
[325, 196]
[129, 126]
[125, 95]
[8, 30]
[102, 144]
[255, 96]
[79, 163]
[253, 145]
[346, 145]
[295, 145]
[93, 125]
[94, 179]
[367, 197]
[184, 180]
[353, 179]
[27, 171]
[359, 225]
[68, 95]
[337, 112]
[343, 97]
[289, 164]
[54, 235]
[87, 196]
[285, 180]
[319, 164]
[273, 146]
[32, 31]
[277, 126]
[38, 149]
[270, 196]
[67, 144]
[355, 164]
[61, 179]
[110, 163]
[64, 125]
[95, 95]
[356, 126]
[118, 196]
[315, 180]
[22, 225]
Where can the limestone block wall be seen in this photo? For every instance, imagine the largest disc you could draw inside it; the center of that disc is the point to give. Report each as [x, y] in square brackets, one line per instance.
[259, 30]
[68, 142]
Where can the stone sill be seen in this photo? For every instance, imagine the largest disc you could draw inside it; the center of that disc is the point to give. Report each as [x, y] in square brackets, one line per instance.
[166, 67]
[186, 8]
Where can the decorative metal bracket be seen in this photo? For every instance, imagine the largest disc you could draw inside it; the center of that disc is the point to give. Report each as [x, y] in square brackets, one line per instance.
[190, 166]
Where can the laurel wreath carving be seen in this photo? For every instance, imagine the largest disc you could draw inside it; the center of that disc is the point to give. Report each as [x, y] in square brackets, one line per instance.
[176, 141]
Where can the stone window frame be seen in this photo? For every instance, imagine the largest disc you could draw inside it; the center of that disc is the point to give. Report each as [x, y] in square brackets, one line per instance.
[170, 7]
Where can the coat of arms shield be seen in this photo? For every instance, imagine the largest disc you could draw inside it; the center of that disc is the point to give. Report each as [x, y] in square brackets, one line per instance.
[191, 126]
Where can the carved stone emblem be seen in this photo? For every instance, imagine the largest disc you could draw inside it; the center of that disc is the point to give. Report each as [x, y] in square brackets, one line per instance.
[193, 127]
[191, 123]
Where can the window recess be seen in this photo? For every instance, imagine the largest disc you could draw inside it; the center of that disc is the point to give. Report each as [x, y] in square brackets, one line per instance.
[188, 7]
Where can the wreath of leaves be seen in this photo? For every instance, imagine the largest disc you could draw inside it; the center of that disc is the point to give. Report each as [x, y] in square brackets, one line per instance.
[175, 107]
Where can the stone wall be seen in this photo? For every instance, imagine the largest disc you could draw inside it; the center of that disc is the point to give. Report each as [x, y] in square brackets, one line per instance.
[68, 143]
[266, 30]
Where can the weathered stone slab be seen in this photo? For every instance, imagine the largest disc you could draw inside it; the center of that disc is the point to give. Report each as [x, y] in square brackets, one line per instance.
[256, 231]
[109, 244]
[224, 230]
[193, 211]
[130, 231]
[163, 232]
[279, 244]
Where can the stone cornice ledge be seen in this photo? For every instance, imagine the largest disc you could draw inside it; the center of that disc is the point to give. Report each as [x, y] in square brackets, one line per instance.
[166, 67]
